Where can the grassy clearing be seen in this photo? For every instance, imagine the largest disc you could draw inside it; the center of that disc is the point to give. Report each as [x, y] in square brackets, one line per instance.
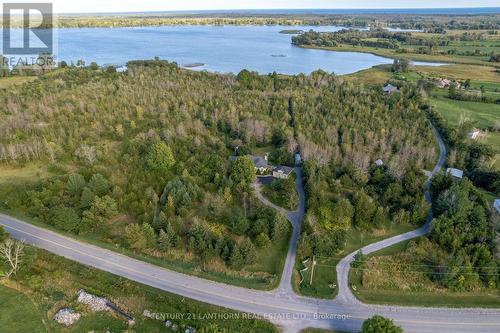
[460, 72]
[325, 273]
[484, 114]
[434, 298]
[377, 75]
[8, 82]
[52, 283]
[18, 314]
[427, 299]
[493, 139]
[410, 56]
[272, 263]
[28, 173]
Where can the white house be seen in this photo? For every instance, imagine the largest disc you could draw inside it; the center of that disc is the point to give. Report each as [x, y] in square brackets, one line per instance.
[455, 173]
[496, 205]
[282, 172]
[474, 134]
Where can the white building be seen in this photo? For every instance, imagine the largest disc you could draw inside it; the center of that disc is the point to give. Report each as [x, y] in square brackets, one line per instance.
[282, 172]
[474, 134]
[455, 173]
[379, 162]
[496, 205]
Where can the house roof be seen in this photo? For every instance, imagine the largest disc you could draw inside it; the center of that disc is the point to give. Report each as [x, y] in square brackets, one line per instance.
[390, 88]
[283, 169]
[258, 161]
[457, 173]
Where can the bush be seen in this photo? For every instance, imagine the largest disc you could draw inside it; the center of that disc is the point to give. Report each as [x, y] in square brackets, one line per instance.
[262, 240]
[160, 158]
[65, 218]
[379, 324]
[99, 185]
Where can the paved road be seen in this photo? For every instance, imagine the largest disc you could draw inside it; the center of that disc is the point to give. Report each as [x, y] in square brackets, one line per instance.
[290, 311]
[282, 307]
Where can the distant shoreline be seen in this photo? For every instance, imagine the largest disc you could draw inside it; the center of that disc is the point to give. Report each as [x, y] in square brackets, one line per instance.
[312, 11]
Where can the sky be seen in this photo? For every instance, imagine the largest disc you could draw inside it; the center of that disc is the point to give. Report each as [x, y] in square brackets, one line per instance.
[93, 6]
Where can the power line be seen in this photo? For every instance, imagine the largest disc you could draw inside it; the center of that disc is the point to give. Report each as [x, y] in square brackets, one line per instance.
[416, 272]
[422, 265]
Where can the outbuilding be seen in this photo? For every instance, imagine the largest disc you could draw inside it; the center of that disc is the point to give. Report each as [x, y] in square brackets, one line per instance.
[389, 89]
[457, 174]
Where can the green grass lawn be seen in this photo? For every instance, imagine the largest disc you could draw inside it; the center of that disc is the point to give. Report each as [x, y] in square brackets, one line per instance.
[486, 75]
[8, 82]
[27, 173]
[18, 314]
[325, 273]
[101, 322]
[317, 330]
[493, 139]
[375, 76]
[427, 299]
[484, 114]
[272, 263]
[391, 53]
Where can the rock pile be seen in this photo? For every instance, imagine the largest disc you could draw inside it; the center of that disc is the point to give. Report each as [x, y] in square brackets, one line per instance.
[95, 303]
[66, 317]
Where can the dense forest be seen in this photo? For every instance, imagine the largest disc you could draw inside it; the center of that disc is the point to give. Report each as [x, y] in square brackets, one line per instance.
[427, 23]
[140, 159]
[403, 42]
[460, 254]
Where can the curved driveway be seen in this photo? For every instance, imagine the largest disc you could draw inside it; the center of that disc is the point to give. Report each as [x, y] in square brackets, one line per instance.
[282, 307]
[295, 219]
[345, 293]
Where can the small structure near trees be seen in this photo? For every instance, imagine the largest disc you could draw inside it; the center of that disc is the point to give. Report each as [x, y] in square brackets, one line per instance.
[282, 172]
[456, 174]
[390, 89]
[443, 83]
[473, 134]
[496, 206]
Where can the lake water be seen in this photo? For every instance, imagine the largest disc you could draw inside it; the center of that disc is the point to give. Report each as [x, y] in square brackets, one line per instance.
[219, 48]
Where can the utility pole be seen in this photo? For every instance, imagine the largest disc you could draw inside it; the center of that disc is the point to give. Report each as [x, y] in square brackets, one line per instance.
[312, 269]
